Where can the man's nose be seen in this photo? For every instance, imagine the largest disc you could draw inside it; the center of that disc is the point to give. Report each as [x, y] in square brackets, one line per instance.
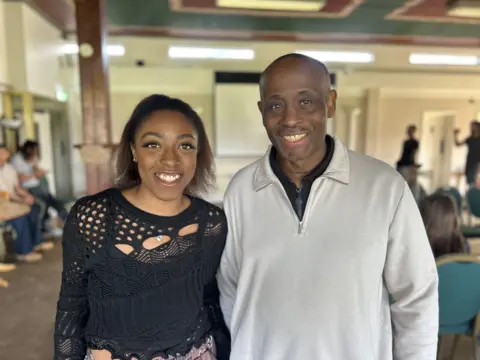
[290, 117]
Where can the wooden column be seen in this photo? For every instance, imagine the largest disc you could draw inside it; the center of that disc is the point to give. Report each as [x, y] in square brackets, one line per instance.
[91, 35]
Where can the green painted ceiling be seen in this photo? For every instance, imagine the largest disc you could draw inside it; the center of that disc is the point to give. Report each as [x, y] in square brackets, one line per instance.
[368, 18]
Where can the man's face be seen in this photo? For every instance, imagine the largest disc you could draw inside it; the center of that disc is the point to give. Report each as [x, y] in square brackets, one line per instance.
[295, 105]
[4, 155]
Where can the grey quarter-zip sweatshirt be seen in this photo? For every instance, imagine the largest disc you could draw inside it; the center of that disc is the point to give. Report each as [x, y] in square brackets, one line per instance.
[319, 288]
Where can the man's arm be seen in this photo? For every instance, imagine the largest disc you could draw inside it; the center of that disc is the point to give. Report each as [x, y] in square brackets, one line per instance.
[22, 196]
[456, 140]
[411, 278]
[229, 270]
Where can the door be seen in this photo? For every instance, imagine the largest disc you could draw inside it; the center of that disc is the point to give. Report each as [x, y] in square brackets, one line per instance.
[61, 153]
[436, 143]
[44, 138]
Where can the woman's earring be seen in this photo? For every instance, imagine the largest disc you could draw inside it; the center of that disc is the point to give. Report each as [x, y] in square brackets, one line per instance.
[134, 159]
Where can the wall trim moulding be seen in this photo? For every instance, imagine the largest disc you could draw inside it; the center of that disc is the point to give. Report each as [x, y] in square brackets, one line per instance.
[171, 90]
[426, 93]
[409, 93]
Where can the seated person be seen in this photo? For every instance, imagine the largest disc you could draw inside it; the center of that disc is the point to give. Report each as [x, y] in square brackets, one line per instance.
[26, 227]
[411, 177]
[440, 217]
[25, 163]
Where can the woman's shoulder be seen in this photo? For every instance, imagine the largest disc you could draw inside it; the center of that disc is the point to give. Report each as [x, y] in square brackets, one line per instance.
[98, 203]
[209, 206]
[213, 212]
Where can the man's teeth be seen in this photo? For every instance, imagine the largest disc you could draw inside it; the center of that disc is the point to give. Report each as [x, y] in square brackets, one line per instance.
[293, 138]
[168, 177]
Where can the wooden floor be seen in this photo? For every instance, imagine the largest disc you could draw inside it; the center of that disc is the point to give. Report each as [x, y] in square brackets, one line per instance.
[27, 312]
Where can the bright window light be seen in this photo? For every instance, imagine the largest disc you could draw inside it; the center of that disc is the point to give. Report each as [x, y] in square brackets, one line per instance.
[180, 52]
[340, 56]
[112, 50]
[443, 59]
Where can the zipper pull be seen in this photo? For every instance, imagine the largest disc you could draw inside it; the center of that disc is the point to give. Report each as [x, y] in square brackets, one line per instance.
[300, 228]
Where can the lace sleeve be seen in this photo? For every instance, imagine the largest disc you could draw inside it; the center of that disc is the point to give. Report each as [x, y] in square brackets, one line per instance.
[72, 307]
[216, 233]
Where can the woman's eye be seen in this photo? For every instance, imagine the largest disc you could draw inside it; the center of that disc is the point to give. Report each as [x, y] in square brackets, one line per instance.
[151, 145]
[187, 147]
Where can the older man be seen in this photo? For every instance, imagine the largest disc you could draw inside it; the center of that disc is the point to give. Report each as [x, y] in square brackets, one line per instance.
[321, 238]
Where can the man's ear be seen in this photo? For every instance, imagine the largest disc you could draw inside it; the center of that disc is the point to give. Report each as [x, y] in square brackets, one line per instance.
[332, 103]
[260, 106]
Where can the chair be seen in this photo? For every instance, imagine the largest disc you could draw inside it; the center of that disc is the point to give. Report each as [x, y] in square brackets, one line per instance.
[455, 194]
[459, 299]
[473, 202]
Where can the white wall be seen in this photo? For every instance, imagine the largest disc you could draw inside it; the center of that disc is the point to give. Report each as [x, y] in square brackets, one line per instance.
[3, 50]
[32, 50]
[42, 44]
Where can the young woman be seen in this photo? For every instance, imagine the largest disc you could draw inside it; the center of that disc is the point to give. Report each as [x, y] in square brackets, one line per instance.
[440, 217]
[138, 278]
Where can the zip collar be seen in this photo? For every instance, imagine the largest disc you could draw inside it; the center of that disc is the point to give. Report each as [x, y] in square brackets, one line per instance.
[338, 169]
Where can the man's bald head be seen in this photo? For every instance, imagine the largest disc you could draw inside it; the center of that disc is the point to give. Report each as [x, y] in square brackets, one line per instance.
[294, 61]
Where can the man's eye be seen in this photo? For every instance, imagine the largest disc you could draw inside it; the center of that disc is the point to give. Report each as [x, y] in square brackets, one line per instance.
[305, 102]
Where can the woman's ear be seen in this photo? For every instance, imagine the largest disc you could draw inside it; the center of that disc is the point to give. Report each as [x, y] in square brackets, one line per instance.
[134, 155]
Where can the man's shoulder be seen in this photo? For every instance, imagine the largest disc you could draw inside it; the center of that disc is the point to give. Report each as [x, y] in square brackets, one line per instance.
[365, 166]
[243, 179]
[9, 169]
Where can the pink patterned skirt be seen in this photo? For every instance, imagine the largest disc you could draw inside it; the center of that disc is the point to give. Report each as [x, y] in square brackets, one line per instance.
[206, 351]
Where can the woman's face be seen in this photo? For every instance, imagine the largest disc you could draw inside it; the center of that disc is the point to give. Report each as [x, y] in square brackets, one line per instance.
[166, 152]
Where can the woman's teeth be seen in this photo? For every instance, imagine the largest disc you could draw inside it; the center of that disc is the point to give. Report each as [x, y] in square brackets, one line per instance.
[292, 138]
[168, 177]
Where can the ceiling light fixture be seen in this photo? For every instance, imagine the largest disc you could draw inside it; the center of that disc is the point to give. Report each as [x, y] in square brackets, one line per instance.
[276, 5]
[340, 56]
[112, 50]
[464, 8]
[181, 52]
[443, 59]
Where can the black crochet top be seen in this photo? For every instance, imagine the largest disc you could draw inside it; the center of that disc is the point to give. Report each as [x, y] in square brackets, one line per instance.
[138, 284]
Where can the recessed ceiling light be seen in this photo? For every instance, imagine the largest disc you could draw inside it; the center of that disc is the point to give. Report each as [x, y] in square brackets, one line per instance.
[275, 5]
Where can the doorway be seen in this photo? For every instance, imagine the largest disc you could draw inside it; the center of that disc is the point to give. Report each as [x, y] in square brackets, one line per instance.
[436, 142]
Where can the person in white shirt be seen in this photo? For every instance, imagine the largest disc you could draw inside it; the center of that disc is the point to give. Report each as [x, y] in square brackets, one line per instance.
[30, 174]
[28, 239]
[326, 256]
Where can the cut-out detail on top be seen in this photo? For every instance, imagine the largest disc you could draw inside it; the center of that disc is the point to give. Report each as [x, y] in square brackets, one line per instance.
[124, 248]
[154, 242]
[188, 230]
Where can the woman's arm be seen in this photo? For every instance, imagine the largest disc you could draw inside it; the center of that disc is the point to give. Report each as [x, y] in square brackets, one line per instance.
[217, 233]
[72, 307]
